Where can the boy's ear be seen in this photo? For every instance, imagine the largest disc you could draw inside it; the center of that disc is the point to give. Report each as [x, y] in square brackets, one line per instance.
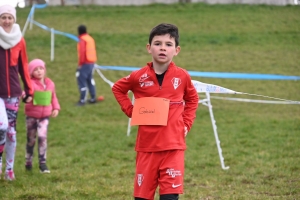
[178, 48]
[148, 46]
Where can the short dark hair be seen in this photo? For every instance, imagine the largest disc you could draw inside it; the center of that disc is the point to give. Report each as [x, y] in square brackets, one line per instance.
[163, 29]
[81, 29]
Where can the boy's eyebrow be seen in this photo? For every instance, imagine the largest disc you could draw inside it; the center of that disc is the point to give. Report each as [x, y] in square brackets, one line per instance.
[161, 41]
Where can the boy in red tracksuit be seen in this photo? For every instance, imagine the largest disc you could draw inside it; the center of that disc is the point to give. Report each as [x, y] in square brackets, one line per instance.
[160, 149]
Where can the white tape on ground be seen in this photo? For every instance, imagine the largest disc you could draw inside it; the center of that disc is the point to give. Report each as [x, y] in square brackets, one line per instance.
[104, 78]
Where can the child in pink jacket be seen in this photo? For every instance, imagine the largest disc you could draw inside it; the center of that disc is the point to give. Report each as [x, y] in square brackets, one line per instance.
[38, 111]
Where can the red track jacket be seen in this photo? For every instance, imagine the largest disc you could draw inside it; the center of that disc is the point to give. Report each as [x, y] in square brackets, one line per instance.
[178, 88]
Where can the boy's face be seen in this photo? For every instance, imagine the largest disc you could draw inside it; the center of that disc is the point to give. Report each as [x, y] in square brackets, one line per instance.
[163, 49]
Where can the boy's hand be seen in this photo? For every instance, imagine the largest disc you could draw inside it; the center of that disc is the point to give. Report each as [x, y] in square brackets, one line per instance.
[185, 131]
[54, 113]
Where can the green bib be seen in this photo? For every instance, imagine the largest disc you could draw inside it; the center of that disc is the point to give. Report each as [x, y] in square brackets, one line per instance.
[42, 98]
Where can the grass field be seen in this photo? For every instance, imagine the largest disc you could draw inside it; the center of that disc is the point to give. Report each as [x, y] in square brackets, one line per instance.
[89, 154]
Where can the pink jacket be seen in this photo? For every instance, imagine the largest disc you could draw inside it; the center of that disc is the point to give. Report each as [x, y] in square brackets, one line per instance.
[42, 111]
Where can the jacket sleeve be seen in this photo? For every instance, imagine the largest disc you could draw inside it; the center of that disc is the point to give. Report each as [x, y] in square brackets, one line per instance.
[120, 89]
[23, 70]
[191, 99]
[82, 52]
[55, 103]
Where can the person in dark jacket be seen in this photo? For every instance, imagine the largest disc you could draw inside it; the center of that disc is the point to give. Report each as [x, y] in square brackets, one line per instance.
[13, 62]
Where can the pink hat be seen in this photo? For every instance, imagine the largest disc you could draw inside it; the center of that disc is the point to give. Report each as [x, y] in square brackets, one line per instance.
[34, 64]
[9, 10]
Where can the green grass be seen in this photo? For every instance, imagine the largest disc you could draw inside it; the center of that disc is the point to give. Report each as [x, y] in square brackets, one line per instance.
[91, 157]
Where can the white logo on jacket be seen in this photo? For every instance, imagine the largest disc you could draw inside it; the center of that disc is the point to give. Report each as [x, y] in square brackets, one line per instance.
[145, 83]
[127, 77]
[143, 77]
[176, 82]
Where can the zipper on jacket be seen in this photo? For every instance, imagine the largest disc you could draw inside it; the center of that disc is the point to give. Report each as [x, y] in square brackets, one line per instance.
[7, 73]
[160, 86]
[44, 85]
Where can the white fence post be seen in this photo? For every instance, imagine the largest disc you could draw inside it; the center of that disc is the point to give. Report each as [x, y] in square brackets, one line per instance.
[52, 45]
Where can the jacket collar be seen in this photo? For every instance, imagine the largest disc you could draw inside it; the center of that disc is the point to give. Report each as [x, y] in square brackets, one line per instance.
[171, 65]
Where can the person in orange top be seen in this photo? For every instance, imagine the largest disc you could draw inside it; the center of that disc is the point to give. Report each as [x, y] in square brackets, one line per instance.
[13, 62]
[87, 56]
[160, 149]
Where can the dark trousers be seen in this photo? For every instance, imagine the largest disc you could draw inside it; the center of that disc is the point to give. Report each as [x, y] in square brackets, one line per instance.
[85, 81]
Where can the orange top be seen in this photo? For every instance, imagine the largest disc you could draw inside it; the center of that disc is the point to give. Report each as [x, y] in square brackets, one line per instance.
[86, 49]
